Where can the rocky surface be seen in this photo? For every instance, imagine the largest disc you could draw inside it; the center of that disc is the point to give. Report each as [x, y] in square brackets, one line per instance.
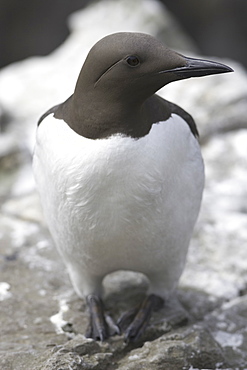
[42, 320]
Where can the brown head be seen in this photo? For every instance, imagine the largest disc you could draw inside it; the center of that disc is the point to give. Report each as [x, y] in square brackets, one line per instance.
[120, 73]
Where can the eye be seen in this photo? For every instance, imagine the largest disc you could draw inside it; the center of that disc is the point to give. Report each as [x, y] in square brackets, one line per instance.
[133, 60]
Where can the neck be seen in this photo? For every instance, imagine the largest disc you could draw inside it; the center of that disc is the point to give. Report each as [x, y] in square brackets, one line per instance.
[95, 119]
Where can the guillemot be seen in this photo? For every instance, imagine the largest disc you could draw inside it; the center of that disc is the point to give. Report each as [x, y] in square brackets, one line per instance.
[120, 173]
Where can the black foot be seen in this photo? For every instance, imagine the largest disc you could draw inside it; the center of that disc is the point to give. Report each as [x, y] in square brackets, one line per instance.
[100, 326]
[134, 322]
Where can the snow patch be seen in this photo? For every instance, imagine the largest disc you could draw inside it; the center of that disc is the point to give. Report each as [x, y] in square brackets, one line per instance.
[4, 291]
[229, 340]
[57, 319]
[134, 357]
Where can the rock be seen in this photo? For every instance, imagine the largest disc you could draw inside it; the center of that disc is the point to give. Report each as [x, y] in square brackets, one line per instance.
[190, 348]
[42, 320]
[217, 257]
[12, 158]
[218, 104]
[25, 206]
[228, 328]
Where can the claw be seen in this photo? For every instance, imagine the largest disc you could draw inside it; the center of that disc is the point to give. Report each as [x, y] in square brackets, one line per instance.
[142, 318]
[126, 319]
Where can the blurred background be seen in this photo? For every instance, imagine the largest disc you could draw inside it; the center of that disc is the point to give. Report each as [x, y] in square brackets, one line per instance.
[27, 27]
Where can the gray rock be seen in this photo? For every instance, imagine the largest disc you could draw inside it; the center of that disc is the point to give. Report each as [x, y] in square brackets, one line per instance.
[228, 327]
[183, 349]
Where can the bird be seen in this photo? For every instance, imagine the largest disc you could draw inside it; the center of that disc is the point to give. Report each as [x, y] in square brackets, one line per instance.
[120, 174]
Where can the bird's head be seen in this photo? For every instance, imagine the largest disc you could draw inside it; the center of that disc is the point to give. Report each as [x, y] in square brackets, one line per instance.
[133, 66]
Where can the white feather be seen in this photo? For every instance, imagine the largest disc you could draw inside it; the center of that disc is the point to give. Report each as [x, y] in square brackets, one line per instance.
[120, 203]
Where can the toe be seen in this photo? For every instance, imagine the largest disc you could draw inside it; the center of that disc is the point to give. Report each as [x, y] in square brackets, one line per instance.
[142, 318]
[101, 326]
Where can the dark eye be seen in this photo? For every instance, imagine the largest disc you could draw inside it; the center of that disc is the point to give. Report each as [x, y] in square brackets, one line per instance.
[133, 61]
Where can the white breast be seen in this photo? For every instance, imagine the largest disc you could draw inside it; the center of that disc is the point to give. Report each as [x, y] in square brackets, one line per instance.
[120, 203]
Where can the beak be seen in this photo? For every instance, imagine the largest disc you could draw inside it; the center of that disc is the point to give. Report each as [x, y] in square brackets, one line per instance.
[199, 67]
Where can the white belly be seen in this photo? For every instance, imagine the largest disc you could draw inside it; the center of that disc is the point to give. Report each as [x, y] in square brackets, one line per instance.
[120, 203]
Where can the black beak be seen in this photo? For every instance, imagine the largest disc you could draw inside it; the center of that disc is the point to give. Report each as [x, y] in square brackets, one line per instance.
[199, 67]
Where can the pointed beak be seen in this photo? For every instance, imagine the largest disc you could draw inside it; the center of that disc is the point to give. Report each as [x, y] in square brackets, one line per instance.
[199, 67]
